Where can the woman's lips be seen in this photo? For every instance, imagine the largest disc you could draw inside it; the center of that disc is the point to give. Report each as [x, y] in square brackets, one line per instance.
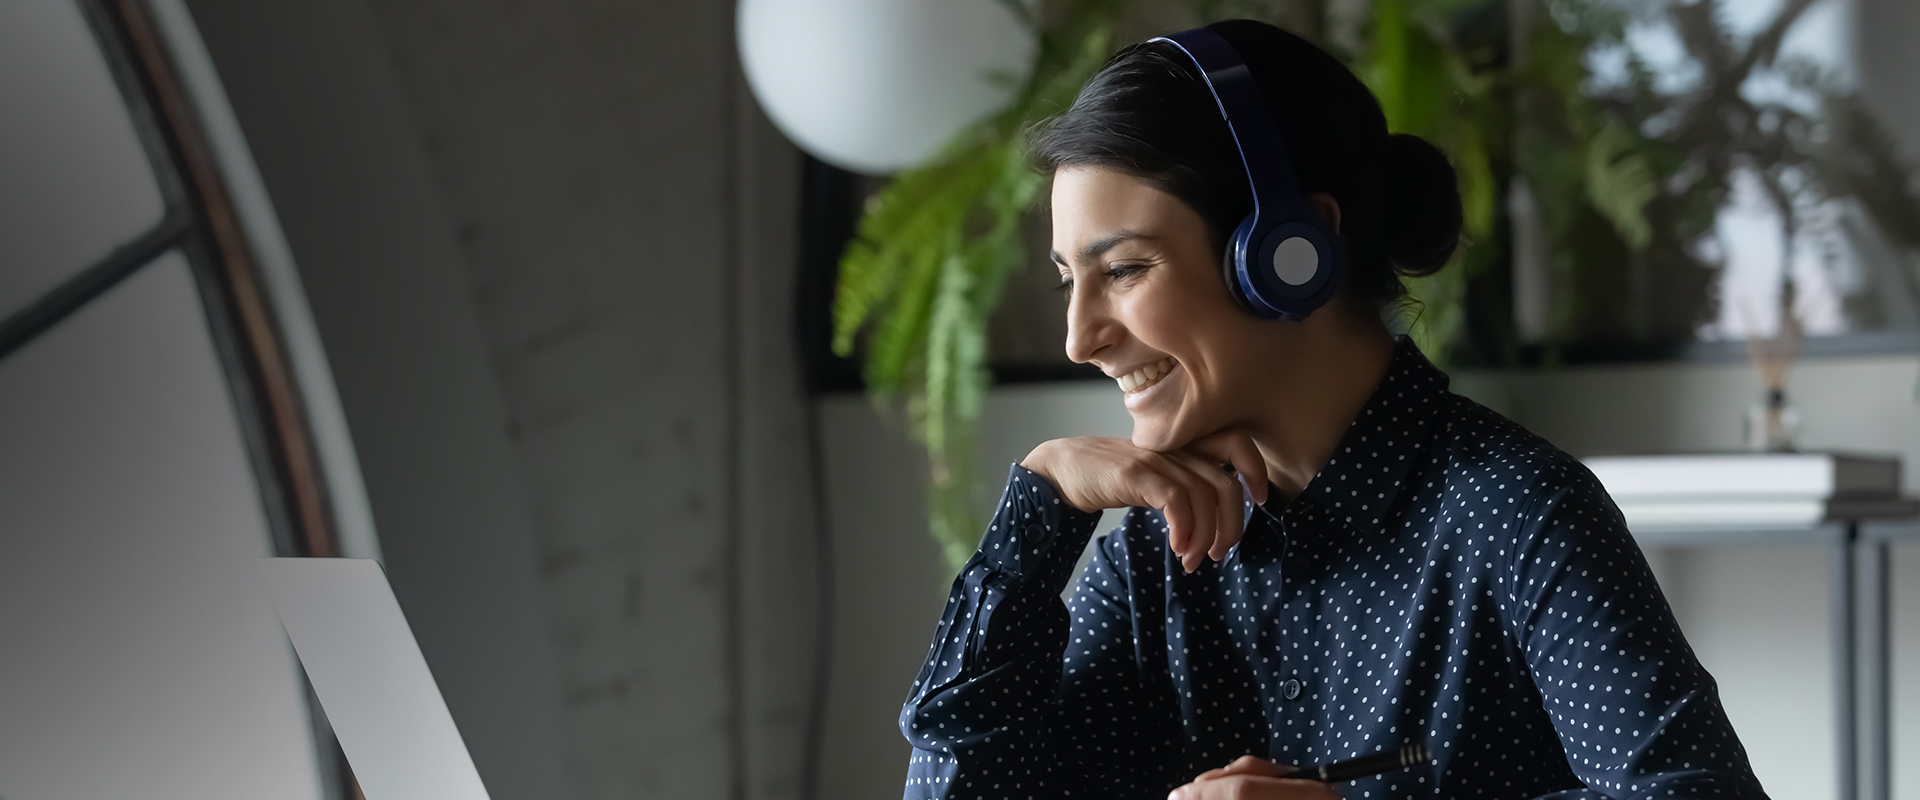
[1145, 391]
[1145, 377]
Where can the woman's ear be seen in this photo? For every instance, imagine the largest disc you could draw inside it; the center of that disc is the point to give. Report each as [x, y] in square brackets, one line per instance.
[1327, 207]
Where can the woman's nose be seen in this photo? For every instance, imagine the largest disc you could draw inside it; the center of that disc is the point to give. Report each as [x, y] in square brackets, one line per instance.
[1090, 328]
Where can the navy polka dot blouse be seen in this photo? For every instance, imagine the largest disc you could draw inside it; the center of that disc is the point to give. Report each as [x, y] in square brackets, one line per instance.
[1447, 577]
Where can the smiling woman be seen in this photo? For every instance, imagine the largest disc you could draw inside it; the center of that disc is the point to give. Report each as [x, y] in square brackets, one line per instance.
[1148, 306]
[1326, 553]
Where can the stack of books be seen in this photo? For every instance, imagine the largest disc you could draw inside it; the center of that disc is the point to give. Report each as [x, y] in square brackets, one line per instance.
[1752, 490]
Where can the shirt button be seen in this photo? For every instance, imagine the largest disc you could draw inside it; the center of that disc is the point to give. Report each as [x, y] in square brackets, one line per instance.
[1291, 689]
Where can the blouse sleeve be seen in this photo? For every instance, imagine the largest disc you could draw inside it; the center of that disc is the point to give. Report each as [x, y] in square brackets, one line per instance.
[981, 714]
[1635, 712]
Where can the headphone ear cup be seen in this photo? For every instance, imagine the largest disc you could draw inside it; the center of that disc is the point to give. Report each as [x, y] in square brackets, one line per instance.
[1234, 289]
[1293, 269]
[1230, 256]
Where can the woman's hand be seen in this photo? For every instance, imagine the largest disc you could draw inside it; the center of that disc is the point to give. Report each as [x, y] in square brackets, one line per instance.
[1191, 486]
[1249, 778]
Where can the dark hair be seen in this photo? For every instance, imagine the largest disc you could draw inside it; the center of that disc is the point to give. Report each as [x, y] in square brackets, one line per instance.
[1147, 113]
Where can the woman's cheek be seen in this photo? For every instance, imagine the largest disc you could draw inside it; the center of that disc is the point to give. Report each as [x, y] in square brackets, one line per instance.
[1162, 311]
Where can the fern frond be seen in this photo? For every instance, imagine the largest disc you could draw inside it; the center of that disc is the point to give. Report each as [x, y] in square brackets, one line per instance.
[1620, 182]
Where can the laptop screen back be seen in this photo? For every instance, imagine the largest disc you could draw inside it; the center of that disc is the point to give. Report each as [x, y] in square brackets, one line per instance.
[372, 681]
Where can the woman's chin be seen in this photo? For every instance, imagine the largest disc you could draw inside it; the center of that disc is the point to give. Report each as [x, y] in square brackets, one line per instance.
[1159, 412]
[1156, 435]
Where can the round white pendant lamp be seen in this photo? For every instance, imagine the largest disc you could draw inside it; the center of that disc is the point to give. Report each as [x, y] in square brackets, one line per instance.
[876, 86]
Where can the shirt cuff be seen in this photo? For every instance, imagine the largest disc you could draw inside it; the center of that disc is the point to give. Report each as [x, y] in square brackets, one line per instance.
[1034, 531]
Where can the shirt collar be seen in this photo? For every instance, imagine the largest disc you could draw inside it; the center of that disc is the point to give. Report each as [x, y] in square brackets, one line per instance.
[1368, 470]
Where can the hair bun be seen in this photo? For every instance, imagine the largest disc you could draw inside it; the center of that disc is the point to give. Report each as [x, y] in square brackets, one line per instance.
[1423, 206]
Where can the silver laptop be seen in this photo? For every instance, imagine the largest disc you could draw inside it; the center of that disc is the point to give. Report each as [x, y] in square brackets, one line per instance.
[373, 683]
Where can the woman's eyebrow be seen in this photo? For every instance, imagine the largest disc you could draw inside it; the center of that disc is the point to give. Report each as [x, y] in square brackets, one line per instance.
[1095, 248]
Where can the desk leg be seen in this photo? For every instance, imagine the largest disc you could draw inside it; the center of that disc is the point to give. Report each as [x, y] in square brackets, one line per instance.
[1877, 647]
[1845, 694]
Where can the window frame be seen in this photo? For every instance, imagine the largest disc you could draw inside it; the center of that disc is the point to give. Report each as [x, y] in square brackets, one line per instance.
[200, 222]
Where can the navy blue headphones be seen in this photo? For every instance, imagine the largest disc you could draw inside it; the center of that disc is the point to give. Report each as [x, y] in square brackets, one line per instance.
[1282, 262]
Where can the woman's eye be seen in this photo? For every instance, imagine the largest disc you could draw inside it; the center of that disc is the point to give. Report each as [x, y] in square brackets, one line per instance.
[1115, 272]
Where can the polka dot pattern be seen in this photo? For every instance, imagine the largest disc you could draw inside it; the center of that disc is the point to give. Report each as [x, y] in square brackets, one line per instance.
[1447, 576]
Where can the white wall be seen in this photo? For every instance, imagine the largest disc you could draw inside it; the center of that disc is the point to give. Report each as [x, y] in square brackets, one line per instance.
[313, 92]
[584, 174]
[550, 249]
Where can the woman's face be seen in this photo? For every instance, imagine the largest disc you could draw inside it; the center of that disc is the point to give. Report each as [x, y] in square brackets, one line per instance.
[1149, 307]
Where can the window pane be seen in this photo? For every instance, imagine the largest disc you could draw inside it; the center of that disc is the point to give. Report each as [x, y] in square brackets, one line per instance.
[134, 660]
[74, 180]
[1812, 219]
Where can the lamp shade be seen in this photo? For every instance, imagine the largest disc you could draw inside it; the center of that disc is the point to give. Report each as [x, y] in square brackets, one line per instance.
[875, 86]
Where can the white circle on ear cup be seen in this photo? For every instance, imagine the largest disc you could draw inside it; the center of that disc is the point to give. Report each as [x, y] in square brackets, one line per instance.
[1295, 261]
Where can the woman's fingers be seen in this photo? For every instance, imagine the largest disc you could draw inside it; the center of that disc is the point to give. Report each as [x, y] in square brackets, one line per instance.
[1247, 765]
[1252, 778]
[1199, 500]
[1236, 448]
[1254, 787]
[1233, 518]
[1205, 513]
[1187, 501]
[1229, 518]
[1169, 494]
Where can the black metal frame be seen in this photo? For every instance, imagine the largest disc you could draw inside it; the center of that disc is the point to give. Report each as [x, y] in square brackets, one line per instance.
[1875, 550]
[176, 221]
[829, 214]
[199, 225]
[46, 311]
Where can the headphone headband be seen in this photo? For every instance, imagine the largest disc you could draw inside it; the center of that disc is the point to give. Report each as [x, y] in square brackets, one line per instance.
[1283, 261]
[1256, 134]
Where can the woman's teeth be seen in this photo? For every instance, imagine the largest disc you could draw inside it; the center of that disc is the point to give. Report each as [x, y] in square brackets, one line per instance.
[1145, 376]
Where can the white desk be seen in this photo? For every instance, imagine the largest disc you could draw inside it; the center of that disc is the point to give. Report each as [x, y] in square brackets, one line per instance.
[1857, 533]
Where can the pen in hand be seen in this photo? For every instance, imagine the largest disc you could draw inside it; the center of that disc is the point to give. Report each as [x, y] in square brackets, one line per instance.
[1384, 761]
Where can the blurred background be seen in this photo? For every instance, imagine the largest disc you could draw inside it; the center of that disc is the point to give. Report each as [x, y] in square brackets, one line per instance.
[666, 353]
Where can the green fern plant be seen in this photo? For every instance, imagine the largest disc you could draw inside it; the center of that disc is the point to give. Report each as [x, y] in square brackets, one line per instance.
[932, 253]
[1428, 86]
